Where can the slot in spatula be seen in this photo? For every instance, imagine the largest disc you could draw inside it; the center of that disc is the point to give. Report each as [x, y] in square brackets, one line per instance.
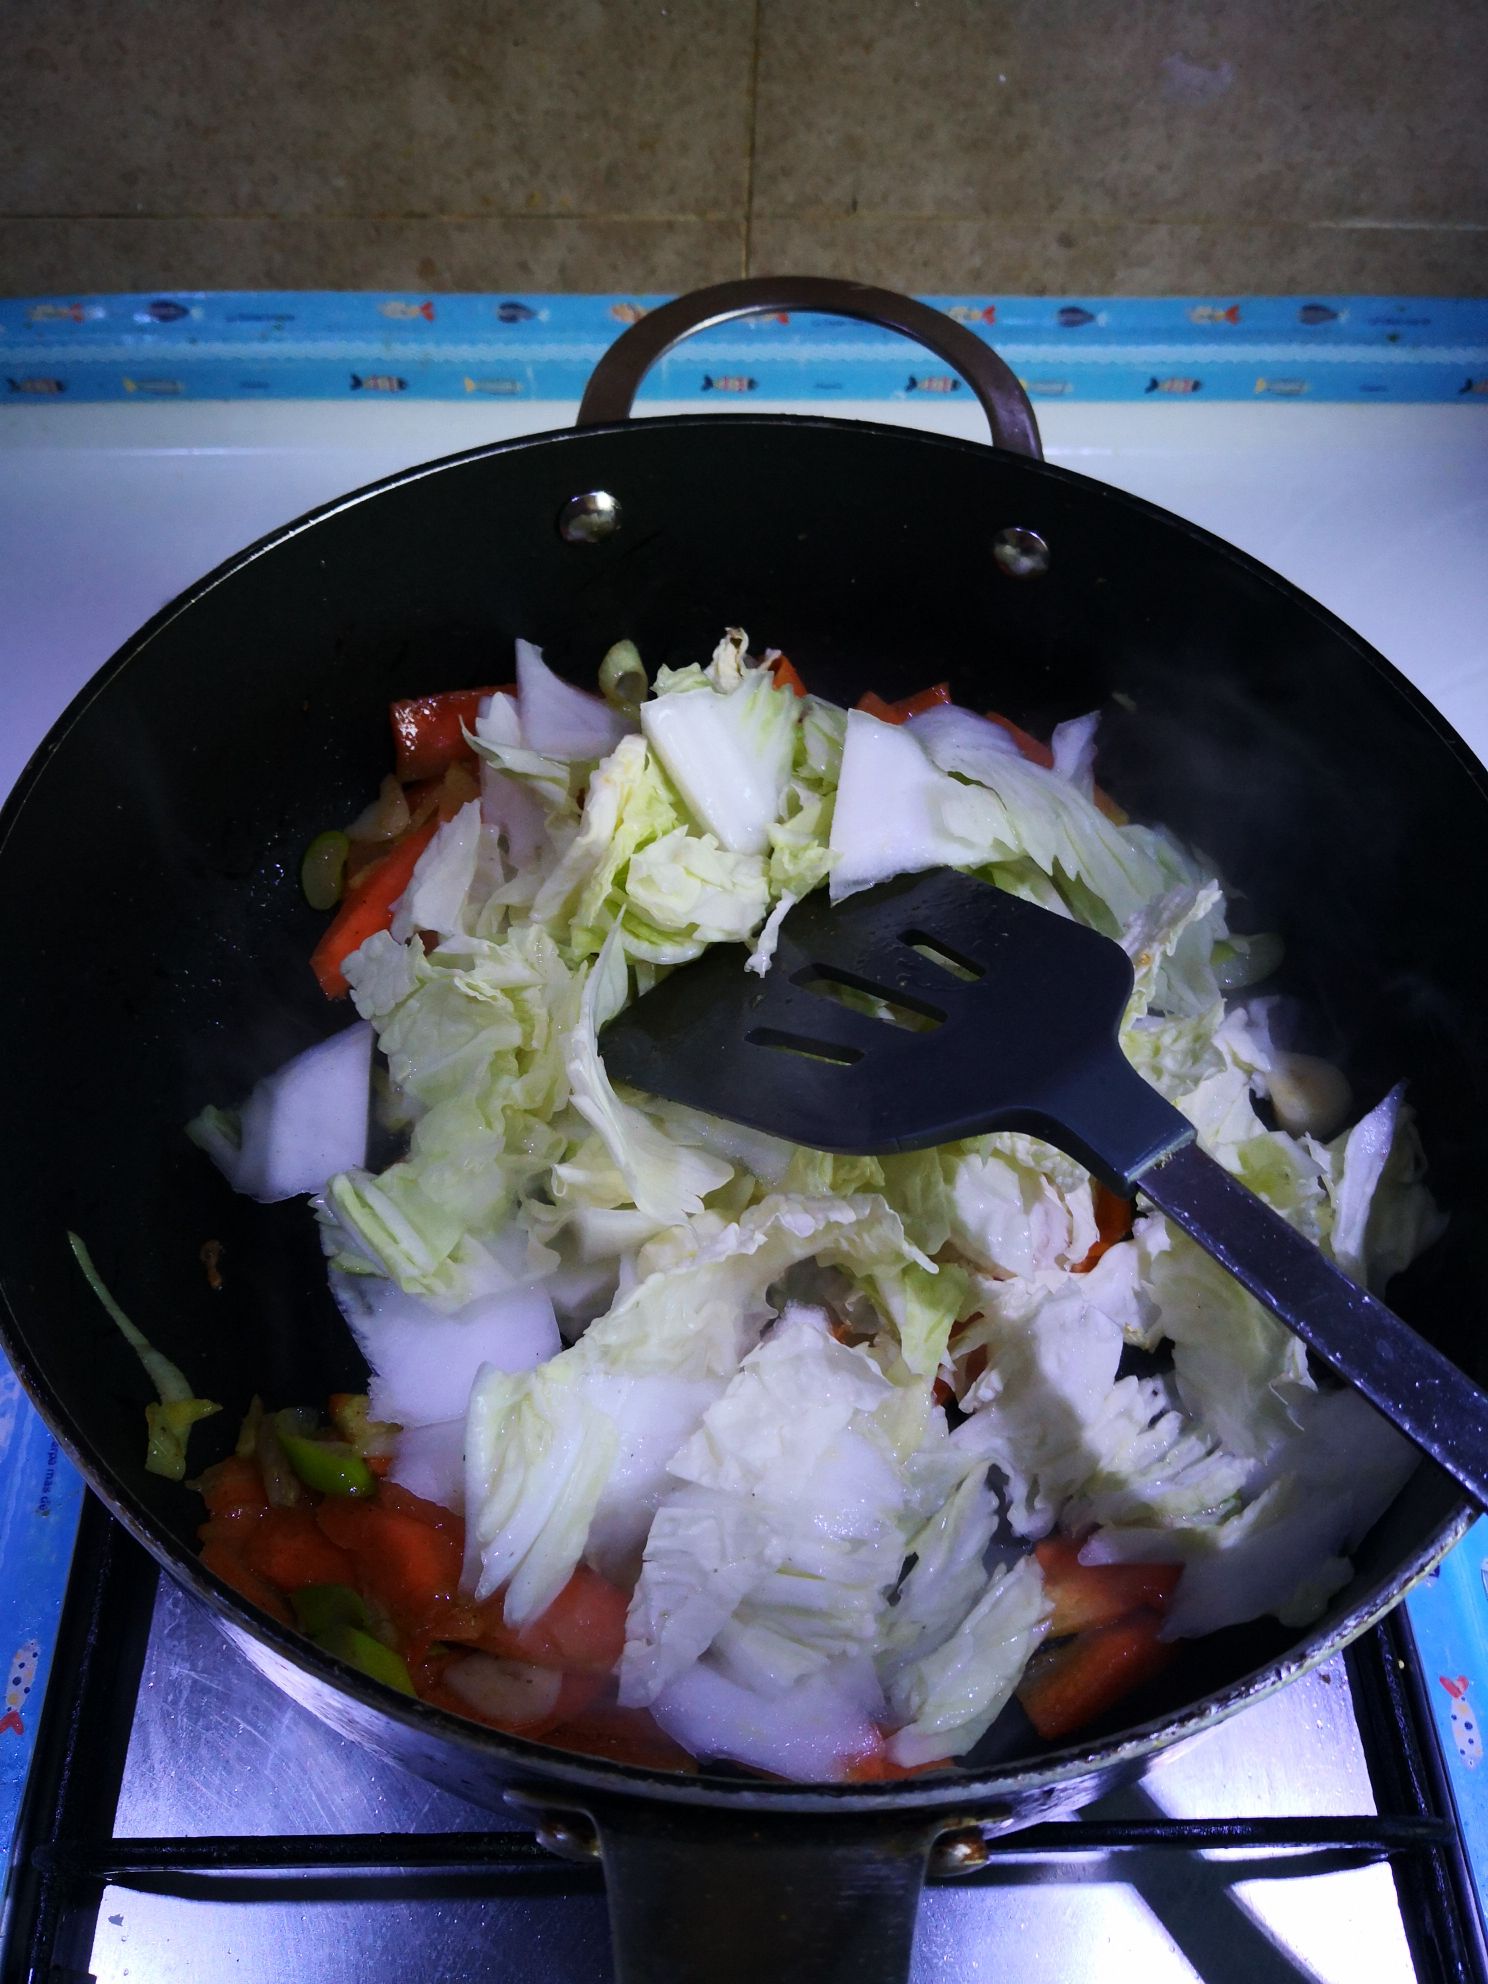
[937, 1007]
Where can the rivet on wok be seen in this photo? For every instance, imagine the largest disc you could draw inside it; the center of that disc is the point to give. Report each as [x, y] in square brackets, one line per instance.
[590, 518]
[961, 1852]
[1021, 552]
[567, 1834]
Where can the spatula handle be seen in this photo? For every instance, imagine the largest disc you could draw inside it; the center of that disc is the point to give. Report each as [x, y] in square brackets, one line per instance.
[1434, 1404]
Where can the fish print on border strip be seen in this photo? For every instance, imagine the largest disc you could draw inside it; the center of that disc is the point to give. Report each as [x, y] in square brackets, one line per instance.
[1465, 1733]
[64, 313]
[22, 1678]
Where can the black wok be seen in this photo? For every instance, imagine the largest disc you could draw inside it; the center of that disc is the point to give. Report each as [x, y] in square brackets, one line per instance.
[158, 946]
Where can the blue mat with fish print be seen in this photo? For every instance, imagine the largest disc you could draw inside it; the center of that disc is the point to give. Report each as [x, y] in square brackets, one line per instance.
[41, 1495]
[337, 345]
[1449, 1617]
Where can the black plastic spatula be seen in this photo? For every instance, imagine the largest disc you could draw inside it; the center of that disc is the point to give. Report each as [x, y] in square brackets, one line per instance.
[1004, 1016]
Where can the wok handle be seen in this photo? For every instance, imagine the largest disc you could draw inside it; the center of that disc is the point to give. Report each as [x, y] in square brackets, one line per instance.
[748, 1897]
[616, 379]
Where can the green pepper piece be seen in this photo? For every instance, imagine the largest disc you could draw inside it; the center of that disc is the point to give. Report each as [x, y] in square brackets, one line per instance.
[323, 869]
[330, 1467]
[368, 1656]
[320, 1608]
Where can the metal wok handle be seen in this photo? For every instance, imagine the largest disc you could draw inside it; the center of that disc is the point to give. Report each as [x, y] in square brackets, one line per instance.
[742, 1897]
[616, 379]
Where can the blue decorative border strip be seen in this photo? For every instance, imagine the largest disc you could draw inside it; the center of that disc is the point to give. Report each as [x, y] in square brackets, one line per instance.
[41, 1496]
[1449, 1617]
[338, 345]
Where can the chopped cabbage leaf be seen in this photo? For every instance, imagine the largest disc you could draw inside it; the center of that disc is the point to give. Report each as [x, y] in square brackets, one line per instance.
[945, 1700]
[728, 751]
[778, 1549]
[693, 1319]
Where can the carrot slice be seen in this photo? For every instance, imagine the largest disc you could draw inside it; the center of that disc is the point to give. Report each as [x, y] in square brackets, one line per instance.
[923, 699]
[233, 1486]
[368, 909]
[872, 704]
[290, 1550]
[1068, 1685]
[876, 1766]
[583, 1628]
[1036, 752]
[1087, 1595]
[1113, 1223]
[786, 676]
[228, 1563]
[405, 1503]
[411, 1569]
[429, 731]
[1040, 754]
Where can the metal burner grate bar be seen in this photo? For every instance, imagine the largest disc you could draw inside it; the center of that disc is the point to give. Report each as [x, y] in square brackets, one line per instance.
[137, 1862]
[68, 1852]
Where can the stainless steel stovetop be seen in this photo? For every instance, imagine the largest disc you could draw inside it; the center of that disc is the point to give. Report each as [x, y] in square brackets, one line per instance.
[236, 1831]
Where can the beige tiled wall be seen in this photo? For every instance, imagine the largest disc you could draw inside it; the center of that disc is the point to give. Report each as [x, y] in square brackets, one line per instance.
[1101, 145]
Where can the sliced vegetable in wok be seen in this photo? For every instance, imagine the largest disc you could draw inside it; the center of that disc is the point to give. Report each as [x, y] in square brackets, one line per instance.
[178, 1409]
[687, 1442]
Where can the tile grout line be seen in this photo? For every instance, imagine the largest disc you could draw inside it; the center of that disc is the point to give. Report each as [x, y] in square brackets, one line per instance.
[747, 242]
[413, 215]
[811, 216]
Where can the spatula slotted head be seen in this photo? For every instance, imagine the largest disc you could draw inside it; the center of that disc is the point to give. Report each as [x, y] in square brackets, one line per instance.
[928, 1009]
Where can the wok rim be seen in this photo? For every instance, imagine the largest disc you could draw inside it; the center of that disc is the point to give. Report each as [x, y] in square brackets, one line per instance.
[515, 1759]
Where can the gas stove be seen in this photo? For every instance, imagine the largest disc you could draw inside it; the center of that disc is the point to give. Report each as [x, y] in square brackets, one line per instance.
[183, 1820]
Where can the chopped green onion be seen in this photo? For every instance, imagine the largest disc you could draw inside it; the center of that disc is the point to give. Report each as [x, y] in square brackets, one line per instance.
[169, 1424]
[171, 1420]
[351, 1418]
[281, 1483]
[323, 869]
[622, 678]
[247, 1445]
